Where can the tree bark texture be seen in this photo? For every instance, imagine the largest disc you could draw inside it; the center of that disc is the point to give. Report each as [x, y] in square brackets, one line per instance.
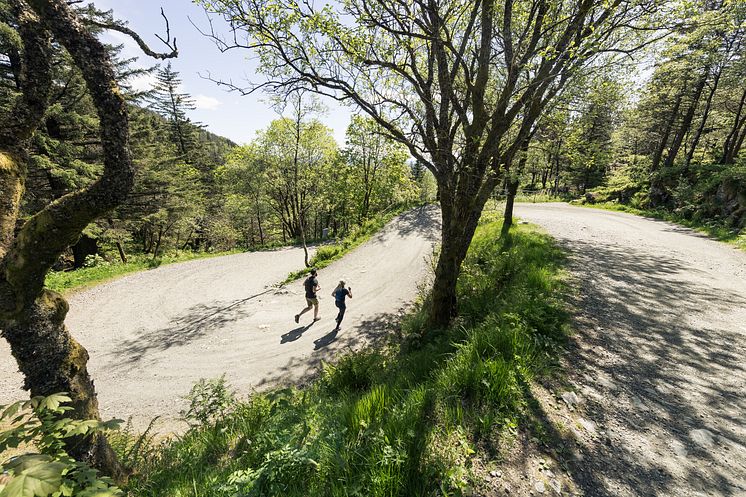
[731, 142]
[509, 204]
[32, 318]
[460, 217]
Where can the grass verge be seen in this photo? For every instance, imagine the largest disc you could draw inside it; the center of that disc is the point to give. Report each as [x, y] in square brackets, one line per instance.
[326, 254]
[62, 281]
[406, 419]
[712, 228]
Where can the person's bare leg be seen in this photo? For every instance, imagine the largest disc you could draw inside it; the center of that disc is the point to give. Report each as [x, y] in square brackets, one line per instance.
[316, 312]
[297, 316]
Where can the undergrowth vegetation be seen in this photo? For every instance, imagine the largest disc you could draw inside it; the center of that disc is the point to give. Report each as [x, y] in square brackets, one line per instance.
[34, 435]
[326, 254]
[401, 420]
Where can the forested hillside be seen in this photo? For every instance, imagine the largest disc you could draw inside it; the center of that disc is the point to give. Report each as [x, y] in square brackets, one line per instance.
[477, 357]
[668, 135]
[198, 192]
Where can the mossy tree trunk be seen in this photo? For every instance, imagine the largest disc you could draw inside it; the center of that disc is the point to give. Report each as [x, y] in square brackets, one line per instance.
[52, 361]
[31, 317]
[460, 213]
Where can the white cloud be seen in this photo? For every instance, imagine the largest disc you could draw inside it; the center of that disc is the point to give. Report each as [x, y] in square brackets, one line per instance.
[203, 102]
[143, 82]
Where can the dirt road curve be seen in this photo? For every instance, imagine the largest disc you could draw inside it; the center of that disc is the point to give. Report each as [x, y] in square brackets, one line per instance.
[151, 335]
[660, 362]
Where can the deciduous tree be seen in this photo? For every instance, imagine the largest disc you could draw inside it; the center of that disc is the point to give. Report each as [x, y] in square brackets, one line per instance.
[460, 84]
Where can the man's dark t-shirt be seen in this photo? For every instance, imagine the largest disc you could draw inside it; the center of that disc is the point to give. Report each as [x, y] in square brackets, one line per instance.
[311, 283]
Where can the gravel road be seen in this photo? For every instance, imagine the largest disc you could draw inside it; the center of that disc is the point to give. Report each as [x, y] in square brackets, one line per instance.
[151, 335]
[659, 364]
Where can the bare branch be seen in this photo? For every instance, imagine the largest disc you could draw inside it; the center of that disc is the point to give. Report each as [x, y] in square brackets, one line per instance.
[122, 28]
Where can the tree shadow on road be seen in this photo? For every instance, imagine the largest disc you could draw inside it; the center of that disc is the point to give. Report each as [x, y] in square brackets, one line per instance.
[659, 362]
[197, 322]
[422, 221]
[369, 332]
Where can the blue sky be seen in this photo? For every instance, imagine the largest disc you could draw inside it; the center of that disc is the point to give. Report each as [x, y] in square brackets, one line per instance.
[228, 114]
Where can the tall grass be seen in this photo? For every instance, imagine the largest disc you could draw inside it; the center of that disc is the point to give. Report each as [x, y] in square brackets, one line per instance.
[406, 420]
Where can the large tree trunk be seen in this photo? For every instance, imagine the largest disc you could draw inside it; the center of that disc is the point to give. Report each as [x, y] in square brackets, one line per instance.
[460, 217]
[52, 361]
[444, 304]
[84, 247]
[32, 318]
[509, 204]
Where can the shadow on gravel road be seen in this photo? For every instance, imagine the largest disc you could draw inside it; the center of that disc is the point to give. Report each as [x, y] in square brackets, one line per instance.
[423, 221]
[660, 365]
[370, 332]
[198, 321]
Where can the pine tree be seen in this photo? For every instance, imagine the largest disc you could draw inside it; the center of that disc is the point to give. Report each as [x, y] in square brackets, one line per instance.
[168, 101]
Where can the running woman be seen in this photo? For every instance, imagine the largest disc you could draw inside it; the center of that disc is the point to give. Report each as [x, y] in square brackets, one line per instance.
[339, 294]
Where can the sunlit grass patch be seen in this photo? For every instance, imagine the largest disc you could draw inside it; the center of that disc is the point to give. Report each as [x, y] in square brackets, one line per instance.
[405, 420]
[101, 270]
[326, 254]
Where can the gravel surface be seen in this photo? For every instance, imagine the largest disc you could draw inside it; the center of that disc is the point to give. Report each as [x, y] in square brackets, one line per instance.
[151, 335]
[657, 374]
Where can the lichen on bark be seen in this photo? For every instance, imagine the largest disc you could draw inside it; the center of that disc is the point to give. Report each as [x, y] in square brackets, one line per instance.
[32, 318]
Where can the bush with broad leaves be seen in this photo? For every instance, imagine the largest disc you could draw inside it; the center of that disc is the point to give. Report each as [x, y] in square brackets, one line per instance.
[37, 429]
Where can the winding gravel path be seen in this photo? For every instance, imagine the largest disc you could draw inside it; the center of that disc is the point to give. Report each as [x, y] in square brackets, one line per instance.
[659, 364]
[151, 335]
[660, 361]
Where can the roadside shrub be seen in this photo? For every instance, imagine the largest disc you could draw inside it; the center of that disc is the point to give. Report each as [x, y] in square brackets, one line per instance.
[623, 185]
[209, 401]
[95, 260]
[325, 253]
[351, 373]
[39, 428]
[286, 471]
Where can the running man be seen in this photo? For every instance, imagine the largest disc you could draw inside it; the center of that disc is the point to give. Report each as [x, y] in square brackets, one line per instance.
[312, 286]
[339, 295]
